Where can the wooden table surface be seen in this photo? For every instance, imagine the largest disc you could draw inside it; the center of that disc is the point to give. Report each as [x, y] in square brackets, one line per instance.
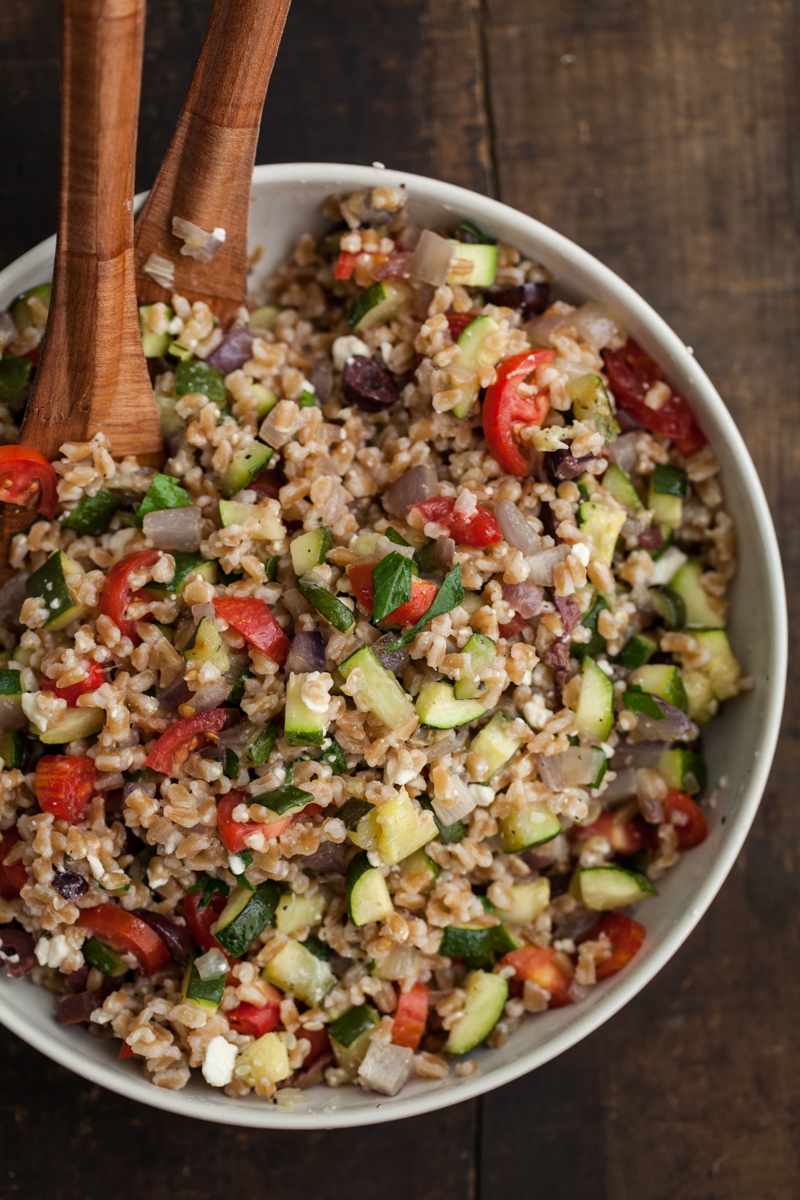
[657, 134]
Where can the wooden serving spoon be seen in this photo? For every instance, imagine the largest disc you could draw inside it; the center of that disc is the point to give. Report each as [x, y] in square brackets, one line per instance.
[206, 175]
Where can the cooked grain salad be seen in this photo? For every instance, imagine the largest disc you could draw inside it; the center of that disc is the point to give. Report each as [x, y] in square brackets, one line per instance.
[345, 742]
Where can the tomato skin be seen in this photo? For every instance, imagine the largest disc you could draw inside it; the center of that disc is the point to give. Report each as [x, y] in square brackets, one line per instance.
[200, 919]
[541, 965]
[250, 617]
[631, 373]
[232, 833]
[167, 754]
[479, 529]
[503, 406]
[95, 678]
[64, 785]
[117, 590]
[126, 934]
[694, 829]
[126, 1052]
[27, 478]
[624, 838]
[422, 595]
[626, 937]
[411, 1017]
[257, 1019]
[13, 876]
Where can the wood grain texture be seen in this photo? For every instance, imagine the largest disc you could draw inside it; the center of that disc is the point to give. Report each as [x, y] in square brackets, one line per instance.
[205, 177]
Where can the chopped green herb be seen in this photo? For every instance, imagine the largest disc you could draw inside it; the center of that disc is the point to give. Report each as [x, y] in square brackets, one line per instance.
[395, 537]
[14, 374]
[450, 594]
[207, 885]
[164, 492]
[391, 584]
[307, 399]
[637, 700]
[231, 764]
[263, 746]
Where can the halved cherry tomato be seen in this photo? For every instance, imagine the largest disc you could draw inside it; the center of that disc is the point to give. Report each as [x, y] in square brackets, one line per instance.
[345, 265]
[200, 919]
[631, 373]
[624, 837]
[422, 595]
[13, 876]
[411, 1017]
[250, 617]
[626, 937]
[544, 966]
[126, 1052]
[515, 625]
[258, 1019]
[175, 746]
[458, 322]
[687, 817]
[232, 833]
[64, 785]
[95, 678]
[126, 934]
[117, 590]
[480, 528]
[695, 441]
[503, 407]
[27, 478]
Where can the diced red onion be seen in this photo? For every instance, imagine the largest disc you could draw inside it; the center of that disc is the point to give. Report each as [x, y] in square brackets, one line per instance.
[540, 329]
[11, 714]
[393, 660]
[417, 483]
[443, 553]
[550, 772]
[637, 754]
[70, 885]
[622, 451]
[542, 856]
[307, 652]
[577, 766]
[674, 724]
[431, 259]
[12, 597]
[174, 694]
[400, 962]
[16, 951]
[322, 378]
[386, 1068]
[176, 937]
[599, 326]
[515, 529]
[160, 269]
[621, 787]
[233, 351]
[211, 965]
[329, 857]
[649, 797]
[211, 695]
[464, 804]
[199, 243]
[204, 612]
[174, 528]
[525, 598]
[147, 786]
[542, 565]
[274, 437]
[423, 294]
[78, 1009]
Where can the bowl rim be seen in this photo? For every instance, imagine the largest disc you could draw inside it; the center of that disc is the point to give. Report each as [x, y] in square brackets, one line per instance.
[267, 1116]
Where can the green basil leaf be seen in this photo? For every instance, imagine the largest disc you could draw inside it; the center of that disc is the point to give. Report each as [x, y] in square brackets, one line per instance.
[636, 700]
[164, 492]
[448, 597]
[391, 584]
[207, 885]
[395, 537]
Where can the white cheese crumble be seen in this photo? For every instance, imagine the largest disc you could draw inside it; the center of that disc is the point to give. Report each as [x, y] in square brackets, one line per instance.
[667, 566]
[536, 713]
[581, 551]
[218, 1062]
[314, 692]
[345, 347]
[51, 952]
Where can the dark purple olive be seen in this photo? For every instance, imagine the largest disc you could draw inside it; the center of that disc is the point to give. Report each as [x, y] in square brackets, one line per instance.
[175, 936]
[16, 951]
[78, 1009]
[368, 385]
[329, 857]
[570, 612]
[652, 538]
[70, 885]
[549, 522]
[76, 980]
[529, 298]
[562, 465]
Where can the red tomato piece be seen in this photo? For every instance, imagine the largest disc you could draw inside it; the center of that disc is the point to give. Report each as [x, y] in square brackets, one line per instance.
[126, 1052]
[232, 833]
[13, 876]
[411, 1017]
[258, 1019]
[95, 678]
[345, 265]
[320, 1044]
[458, 322]
[117, 590]
[200, 919]
[544, 966]
[624, 837]
[34, 355]
[126, 934]
[175, 746]
[250, 617]
[626, 937]
[504, 407]
[515, 625]
[64, 785]
[422, 595]
[480, 528]
[27, 478]
[631, 373]
[694, 442]
[687, 817]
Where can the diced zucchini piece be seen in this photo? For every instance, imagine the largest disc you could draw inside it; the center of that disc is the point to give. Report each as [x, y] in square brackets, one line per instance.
[350, 1037]
[612, 886]
[93, 514]
[670, 481]
[101, 956]
[14, 372]
[265, 400]
[703, 704]
[75, 725]
[466, 941]
[206, 645]
[533, 826]
[597, 643]
[245, 915]
[638, 650]
[295, 969]
[530, 899]
[244, 466]
[668, 605]
[667, 508]
[262, 745]
[204, 994]
[334, 610]
[368, 896]
[661, 679]
[12, 749]
[495, 743]
[603, 524]
[263, 318]
[481, 650]
[618, 484]
[377, 305]
[437, 706]
[302, 726]
[702, 610]
[484, 1001]
[269, 529]
[473, 354]
[294, 911]
[362, 829]
[723, 670]
[154, 345]
[265, 1058]
[378, 690]
[21, 313]
[594, 715]
[402, 828]
[199, 376]
[682, 769]
[164, 492]
[187, 563]
[590, 402]
[450, 834]
[483, 260]
[310, 549]
[49, 583]
[419, 863]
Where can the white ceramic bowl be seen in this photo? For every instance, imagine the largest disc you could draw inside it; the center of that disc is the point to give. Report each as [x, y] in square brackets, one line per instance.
[287, 201]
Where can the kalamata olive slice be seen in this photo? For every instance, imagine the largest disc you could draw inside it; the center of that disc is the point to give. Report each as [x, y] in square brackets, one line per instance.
[530, 298]
[16, 951]
[561, 465]
[70, 885]
[368, 385]
[177, 937]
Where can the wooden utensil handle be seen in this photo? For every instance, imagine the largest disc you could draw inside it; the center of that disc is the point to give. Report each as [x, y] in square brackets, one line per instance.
[210, 161]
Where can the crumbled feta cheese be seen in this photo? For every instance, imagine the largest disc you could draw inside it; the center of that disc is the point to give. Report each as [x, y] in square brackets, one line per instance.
[581, 552]
[51, 952]
[218, 1063]
[345, 347]
[29, 707]
[314, 692]
[536, 713]
[484, 795]
[667, 566]
[235, 864]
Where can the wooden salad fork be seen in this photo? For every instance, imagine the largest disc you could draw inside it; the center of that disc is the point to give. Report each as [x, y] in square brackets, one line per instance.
[206, 176]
